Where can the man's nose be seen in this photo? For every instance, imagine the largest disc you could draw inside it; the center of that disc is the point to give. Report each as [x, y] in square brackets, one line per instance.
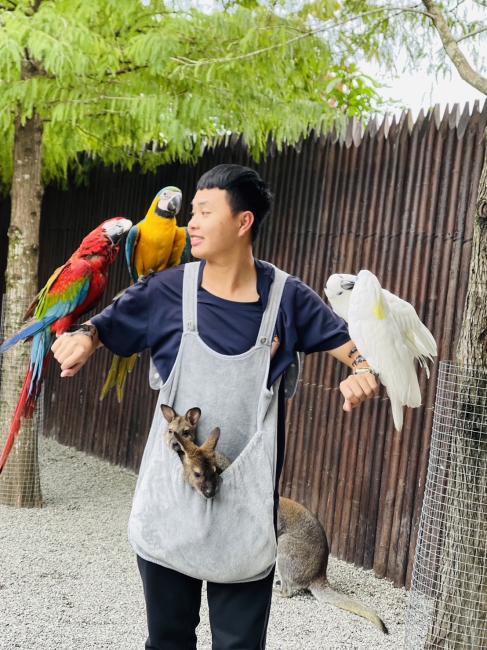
[193, 223]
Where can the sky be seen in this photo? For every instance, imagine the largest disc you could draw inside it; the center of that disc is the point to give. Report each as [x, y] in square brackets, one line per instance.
[422, 90]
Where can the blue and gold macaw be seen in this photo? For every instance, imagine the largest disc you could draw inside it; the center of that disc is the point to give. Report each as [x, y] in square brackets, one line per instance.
[154, 244]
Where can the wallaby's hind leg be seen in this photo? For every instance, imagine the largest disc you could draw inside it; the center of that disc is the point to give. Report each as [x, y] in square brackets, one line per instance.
[287, 587]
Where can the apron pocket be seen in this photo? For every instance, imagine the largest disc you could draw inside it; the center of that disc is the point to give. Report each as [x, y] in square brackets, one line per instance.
[229, 538]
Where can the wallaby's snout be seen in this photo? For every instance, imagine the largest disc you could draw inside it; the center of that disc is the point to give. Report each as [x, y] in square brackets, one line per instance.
[211, 487]
[200, 463]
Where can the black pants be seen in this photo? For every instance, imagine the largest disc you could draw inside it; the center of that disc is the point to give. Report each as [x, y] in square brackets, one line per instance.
[239, 613]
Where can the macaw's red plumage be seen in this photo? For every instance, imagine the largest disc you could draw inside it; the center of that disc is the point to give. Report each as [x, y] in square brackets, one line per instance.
[72, 290]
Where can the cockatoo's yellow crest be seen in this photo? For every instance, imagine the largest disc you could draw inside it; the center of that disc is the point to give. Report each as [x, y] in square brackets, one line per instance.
[379, 309]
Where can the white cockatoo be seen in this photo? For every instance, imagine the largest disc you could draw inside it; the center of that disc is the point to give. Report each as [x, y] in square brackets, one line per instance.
[387, 332]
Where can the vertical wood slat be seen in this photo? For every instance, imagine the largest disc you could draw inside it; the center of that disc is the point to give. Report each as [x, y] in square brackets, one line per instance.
[398, 199]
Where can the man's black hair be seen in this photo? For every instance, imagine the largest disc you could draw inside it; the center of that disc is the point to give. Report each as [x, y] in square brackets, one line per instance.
[246, 190]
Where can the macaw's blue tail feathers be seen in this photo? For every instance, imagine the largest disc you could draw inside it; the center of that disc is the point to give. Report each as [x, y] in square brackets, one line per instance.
[41, 345]
[27, 332]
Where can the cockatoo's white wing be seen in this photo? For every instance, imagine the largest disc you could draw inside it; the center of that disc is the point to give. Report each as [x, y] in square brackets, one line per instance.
[378, 336]
[416, 335]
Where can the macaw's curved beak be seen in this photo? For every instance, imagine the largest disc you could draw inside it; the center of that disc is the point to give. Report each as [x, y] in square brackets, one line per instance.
[116, 228]
[169, 208]
[174, 204]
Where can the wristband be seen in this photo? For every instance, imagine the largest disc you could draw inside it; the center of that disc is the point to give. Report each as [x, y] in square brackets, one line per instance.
[87, 330]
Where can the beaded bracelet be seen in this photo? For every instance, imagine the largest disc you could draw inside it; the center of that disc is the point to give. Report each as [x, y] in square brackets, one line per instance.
[358, 359]
[363, 371]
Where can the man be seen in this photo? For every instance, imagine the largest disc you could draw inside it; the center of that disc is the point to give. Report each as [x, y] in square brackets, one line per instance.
[221, 335]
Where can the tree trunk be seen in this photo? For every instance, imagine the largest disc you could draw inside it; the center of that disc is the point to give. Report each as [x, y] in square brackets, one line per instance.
[19, 482]
[472, 343]
[460, 607]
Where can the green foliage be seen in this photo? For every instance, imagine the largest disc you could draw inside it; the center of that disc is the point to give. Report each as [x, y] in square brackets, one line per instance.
[152, 82]
[148, 81]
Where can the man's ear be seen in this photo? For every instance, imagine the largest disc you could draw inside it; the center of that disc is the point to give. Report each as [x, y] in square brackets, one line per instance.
[246, 220]
[168, 412]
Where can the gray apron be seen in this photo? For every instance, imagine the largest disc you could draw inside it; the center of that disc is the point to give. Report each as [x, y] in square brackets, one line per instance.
[231, 537]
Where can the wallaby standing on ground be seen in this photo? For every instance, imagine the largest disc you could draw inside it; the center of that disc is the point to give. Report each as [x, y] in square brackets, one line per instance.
[203, 464]
[185, 425]
[302, 560]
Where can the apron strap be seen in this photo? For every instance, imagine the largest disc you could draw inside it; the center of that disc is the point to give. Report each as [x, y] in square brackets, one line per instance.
[190, 296]
[269, 317]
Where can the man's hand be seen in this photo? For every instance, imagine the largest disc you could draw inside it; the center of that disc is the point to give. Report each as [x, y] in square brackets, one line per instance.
[72, 352]
[357, 388]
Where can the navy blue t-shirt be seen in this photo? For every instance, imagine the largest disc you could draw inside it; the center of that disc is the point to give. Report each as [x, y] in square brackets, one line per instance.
[149, 315]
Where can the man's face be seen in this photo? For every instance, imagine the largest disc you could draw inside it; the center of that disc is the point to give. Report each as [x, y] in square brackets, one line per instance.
[213, 229]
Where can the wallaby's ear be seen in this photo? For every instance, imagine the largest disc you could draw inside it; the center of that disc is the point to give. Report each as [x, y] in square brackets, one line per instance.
[193, 415]
[168, 412]
[211, 442]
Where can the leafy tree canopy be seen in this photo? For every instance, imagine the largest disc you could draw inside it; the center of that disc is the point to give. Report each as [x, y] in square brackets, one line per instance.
[152, 81]
[115, 78]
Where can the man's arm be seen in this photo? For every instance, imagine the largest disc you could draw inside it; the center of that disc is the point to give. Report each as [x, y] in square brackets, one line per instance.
[355, 388]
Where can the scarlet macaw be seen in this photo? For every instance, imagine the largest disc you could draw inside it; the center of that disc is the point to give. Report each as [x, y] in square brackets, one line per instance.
[72, 290]
[154, 244]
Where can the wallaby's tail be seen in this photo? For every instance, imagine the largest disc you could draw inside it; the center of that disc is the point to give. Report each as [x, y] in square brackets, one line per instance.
[325, 594]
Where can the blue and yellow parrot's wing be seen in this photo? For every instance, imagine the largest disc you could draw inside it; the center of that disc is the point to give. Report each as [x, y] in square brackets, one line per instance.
[130, 246]
[186, 255]
[181, 249]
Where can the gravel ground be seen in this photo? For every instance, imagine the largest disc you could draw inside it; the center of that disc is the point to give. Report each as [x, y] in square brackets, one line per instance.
[69, 579]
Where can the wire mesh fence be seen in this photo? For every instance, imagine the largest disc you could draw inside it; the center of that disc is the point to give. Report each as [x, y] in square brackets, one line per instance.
[19, 481]
[447, 605]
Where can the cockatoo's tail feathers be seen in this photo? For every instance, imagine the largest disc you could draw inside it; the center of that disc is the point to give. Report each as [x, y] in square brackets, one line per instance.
[413, 397]
[425, 343]
[397, 413]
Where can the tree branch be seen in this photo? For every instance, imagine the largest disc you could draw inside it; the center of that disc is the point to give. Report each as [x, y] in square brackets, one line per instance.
[104, 142]
[312, 32]
[470, 34]
[452, 49]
